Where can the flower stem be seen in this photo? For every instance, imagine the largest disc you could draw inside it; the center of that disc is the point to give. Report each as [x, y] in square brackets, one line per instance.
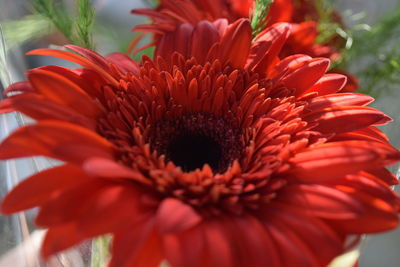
[100, 251]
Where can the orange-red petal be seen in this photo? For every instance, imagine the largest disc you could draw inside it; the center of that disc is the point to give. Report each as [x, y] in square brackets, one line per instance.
[235, 43]
[139, 247]
[328, 84]
[40, 108]
[341, 119]
[106, 168]
[61, 237]
[306, 76]
[39, 188]
[61, 90]
[76, 59]
[175, 216]
[55, 139]
[333, 160]
[322, 201]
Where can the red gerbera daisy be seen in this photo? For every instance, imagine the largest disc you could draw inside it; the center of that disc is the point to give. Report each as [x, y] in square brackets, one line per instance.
[302, 14]
[216, 153]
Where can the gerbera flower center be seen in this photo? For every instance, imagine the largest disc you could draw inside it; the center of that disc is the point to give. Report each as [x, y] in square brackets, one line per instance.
[196, 139]
[191, 151]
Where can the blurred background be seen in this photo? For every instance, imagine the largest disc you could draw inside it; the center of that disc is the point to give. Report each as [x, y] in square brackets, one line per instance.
[373, 40]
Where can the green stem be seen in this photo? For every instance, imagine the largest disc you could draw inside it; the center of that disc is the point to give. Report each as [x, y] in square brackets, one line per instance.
[100, 251]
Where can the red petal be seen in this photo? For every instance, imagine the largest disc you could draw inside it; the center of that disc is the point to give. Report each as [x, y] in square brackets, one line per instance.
[376, 133]
[76, 59]
[6, 106]
[328, 84]
[385, 176]
[176, 41]
[343, 119]
[311, 231]
[221, 25]
[280, 11]
[306, 76]
[59, 89]
[123, 62]
[343, 99]
[92, 83]
[89, 85]
[379, 215]
[235, 43]
[290, 63]
[185, 248]
[115, 208]
[254, 245]
[231, 241]
[137, 246]
[20, 87]
[183, 11]
[204, 36]
[304, 33]
[337, 159]
[41, 187]
[40, 108]
[60, 238]
[289, 244]
[219, 246]
[352, 82]
[322, 201]
[367, 134]
[103, 167]
[242, 8]
[165, 46]
[175, 216]
[373, 186]
[267, 46]
[91, 55]
[215, 8]
[72, 203]
[58, 140]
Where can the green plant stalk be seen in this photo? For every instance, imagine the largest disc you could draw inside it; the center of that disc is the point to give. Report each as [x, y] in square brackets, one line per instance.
[377, 44]
[100, 251]
[84, 23]
[258, 16]
[30, 27]
[57, 14]
[5, 78]
[77, 29]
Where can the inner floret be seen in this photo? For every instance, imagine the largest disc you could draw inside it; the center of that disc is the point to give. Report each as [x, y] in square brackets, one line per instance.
[193, 140]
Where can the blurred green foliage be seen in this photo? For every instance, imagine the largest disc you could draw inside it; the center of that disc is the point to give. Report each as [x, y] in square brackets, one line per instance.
[26, 29]
[375, 46]
[258, 16]
[376, 49]
[100, 250]
[75, 27]
[5, 79]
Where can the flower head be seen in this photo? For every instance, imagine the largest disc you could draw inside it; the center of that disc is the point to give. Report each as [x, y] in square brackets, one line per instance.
[215, 153]
[303, 15]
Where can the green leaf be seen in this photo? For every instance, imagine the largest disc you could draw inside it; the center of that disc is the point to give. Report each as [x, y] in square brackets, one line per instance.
[4, 73]
[31, 27]
[371, 41]
[383, 74]
[76, 28]
[57, 13]
[84, 23]
[258, 16]
[376, 47]
[100, 251]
